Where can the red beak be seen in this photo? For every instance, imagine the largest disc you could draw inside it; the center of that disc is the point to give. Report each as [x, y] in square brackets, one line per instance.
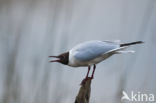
[58, 60]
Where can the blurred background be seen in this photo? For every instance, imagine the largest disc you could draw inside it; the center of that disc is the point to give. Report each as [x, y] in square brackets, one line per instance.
[31, 30]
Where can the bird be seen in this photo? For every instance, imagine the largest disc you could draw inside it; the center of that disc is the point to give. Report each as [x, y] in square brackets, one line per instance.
[92, 52]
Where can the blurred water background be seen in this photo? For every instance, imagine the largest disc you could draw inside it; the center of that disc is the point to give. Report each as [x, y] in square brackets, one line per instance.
[31, 30]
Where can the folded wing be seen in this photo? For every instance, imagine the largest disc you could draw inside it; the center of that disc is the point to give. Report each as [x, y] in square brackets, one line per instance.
[93, 49]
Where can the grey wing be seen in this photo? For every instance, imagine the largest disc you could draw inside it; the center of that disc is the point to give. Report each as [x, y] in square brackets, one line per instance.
[93, 49]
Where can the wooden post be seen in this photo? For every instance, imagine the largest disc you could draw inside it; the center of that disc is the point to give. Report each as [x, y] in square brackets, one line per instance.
[84, 92]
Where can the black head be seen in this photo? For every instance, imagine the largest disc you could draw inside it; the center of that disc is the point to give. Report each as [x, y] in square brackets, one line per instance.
[62, 58]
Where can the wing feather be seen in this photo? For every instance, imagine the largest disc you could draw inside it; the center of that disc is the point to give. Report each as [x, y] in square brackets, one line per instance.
[92, 49]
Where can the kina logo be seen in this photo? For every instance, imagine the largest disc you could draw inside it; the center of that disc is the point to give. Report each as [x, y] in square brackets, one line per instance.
[137, 96]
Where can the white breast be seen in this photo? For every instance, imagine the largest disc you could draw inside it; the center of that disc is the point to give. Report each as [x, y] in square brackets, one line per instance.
[73, 61]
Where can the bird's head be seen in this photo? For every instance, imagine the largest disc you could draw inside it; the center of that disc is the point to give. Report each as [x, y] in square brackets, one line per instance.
[62, 58]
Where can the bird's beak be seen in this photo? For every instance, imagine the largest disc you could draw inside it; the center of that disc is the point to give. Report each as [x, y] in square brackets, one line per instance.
[58, 60]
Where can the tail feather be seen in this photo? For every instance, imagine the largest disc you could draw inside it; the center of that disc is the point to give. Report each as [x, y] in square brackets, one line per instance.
[127, 51]
[132, 43]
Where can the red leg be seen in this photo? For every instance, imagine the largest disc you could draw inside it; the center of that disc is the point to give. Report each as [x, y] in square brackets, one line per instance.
[93, 71]
[84, 80]
[88, 72]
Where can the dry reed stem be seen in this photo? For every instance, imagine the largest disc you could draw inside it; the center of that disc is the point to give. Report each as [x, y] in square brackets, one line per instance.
[84, 92]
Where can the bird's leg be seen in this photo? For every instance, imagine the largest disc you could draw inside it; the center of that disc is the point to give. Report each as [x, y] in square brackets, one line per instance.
[88, 72]
[94, 67]
[86, 78]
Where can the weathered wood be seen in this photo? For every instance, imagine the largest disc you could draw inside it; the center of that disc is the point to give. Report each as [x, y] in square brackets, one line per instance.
[84, 92]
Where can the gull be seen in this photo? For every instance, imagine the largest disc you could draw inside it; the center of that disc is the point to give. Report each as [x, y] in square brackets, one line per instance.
[92, 52]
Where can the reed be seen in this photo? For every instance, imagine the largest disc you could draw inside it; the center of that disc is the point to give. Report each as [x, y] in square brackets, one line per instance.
[83, 95]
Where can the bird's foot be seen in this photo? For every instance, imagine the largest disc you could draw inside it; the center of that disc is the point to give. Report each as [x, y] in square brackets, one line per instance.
[85, 79]
[92, 77]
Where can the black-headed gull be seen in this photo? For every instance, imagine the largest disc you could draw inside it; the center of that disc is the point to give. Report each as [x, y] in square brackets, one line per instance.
[91, 53]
